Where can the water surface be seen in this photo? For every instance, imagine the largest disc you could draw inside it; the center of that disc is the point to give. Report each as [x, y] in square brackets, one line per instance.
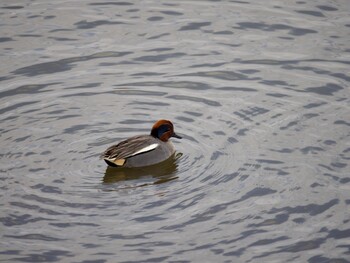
[259, 92]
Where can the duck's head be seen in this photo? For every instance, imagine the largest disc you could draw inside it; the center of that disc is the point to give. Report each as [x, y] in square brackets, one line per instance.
[163, 130]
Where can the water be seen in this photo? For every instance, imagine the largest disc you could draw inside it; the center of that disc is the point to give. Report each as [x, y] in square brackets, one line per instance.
[258, 90]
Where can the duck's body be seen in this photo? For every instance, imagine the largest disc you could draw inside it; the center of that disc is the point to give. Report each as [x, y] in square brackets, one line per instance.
[143, 150]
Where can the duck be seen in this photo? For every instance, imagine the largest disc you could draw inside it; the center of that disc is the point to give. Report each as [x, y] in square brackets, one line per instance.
[143, 150]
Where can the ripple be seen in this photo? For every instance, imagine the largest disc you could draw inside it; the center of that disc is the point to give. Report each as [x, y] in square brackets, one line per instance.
[88, 25]
[160, 58]
[195, 99]
[328, 89]
[63, 64]
[111, 3]
[17, 106]
[261, 104]
[311, 13]
[194, 26]
[295, 31]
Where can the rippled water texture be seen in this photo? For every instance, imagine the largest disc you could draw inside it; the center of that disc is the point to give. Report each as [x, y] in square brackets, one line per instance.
[259, 90]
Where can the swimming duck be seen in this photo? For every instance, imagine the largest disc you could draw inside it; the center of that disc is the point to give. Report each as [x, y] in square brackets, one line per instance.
[143, 150]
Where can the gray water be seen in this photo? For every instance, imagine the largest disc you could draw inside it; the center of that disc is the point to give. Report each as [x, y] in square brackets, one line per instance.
[259, 90]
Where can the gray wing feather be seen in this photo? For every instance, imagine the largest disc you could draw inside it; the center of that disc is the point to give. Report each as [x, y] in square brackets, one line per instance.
[128, 147]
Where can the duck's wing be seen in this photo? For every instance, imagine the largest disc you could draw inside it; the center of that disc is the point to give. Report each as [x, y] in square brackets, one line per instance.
[130, 147]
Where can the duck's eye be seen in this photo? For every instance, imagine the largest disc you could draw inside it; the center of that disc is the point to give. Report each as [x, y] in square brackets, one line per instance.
[163, 129]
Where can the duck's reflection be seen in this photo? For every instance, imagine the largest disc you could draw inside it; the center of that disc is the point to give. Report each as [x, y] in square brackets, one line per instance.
[161, 172]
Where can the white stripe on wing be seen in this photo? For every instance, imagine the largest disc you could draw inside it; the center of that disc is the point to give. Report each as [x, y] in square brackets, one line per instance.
[146, 149]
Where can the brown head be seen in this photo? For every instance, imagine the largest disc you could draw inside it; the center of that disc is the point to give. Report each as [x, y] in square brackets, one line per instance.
[163, 130]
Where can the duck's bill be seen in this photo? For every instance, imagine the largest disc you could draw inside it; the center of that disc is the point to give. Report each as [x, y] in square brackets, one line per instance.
[176, 136]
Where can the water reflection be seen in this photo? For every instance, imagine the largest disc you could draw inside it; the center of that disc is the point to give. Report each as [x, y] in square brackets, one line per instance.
[159, 173]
